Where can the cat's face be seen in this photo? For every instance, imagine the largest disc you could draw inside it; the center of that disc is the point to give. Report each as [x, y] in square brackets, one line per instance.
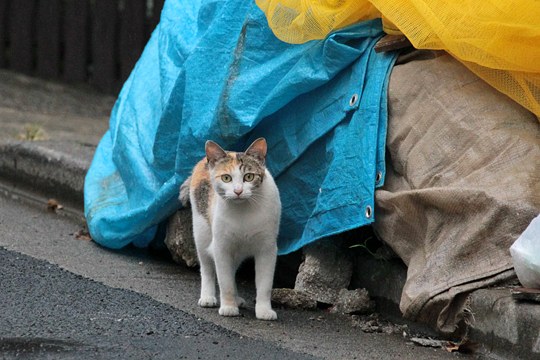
[235, 176]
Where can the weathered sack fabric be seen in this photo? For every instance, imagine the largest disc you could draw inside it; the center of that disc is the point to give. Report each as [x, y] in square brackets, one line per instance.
[463, 181]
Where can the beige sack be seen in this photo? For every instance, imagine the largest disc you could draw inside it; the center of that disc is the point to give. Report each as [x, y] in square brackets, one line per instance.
[463, 182]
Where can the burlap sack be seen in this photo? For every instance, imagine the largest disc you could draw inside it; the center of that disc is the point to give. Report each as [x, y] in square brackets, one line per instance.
[463, 181]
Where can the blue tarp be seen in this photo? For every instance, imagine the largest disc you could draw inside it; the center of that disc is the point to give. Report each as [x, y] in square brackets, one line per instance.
[214, 70]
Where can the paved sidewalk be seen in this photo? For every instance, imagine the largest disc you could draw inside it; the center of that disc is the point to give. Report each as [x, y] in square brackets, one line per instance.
[66, 124]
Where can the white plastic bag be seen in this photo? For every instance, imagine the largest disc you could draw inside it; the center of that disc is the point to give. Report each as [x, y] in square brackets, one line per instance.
[526, 255]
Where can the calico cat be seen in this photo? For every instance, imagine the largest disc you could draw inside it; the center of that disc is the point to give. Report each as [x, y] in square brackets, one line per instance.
[236, 213]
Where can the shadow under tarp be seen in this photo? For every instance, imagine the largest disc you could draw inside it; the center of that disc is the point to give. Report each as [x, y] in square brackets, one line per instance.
[462, 183]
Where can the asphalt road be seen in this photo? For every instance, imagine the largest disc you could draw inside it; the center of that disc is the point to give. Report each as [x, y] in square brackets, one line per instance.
[52, 313]
[63, 297]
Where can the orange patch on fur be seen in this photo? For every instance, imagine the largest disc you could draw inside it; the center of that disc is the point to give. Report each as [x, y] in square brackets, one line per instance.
[226, 166]
[200, 173]
[200, 178]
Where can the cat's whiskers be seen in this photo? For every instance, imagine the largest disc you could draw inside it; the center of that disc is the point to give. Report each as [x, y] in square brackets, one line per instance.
[256, 199]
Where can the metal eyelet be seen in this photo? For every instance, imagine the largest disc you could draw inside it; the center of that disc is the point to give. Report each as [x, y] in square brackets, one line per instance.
[378, 177]
[368, 211]
[353, 100]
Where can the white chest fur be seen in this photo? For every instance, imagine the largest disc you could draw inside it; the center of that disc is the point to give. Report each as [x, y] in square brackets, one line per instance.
[249, 225]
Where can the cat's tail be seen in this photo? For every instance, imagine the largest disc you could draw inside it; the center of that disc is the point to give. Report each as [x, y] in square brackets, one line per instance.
[184, 192]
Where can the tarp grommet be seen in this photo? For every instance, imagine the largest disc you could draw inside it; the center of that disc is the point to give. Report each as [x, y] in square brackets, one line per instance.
[353, 100]
[378, 177]
[368, 211]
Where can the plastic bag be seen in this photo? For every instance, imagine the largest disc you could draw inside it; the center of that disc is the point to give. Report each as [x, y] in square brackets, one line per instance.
[526, 255]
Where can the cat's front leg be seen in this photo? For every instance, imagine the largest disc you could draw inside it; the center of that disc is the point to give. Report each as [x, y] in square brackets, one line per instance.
[203, 239]
[208, 281]
[265, 263]
[226, 270]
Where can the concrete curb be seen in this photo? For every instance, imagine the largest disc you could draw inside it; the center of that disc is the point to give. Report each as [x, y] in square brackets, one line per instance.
[506, 328]
[44, 168]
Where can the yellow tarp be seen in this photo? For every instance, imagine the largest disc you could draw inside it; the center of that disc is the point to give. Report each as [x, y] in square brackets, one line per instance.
[499, 40]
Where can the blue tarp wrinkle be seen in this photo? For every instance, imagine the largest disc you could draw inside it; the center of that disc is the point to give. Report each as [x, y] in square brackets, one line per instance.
[214, 70]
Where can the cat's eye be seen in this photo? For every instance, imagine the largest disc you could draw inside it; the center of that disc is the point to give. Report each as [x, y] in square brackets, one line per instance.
[226, 178]
[249, 177]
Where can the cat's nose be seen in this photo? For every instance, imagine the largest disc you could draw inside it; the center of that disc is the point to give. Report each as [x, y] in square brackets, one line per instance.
[238, 191]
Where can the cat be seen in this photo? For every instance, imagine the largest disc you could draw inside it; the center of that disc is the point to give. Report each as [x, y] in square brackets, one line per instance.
[236, 214]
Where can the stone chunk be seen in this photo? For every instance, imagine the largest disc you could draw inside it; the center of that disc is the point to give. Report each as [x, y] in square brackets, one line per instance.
[293, 299]
[326, 270]
[179, 239]
[353, 301]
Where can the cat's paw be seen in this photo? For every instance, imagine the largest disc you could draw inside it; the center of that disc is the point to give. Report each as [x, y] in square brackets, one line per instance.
[265, 314]
[229, 311]
[207, 301]
[240, 302]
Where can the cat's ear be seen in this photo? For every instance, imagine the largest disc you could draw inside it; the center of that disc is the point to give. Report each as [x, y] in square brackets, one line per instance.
[214, 152]
[258, 149]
